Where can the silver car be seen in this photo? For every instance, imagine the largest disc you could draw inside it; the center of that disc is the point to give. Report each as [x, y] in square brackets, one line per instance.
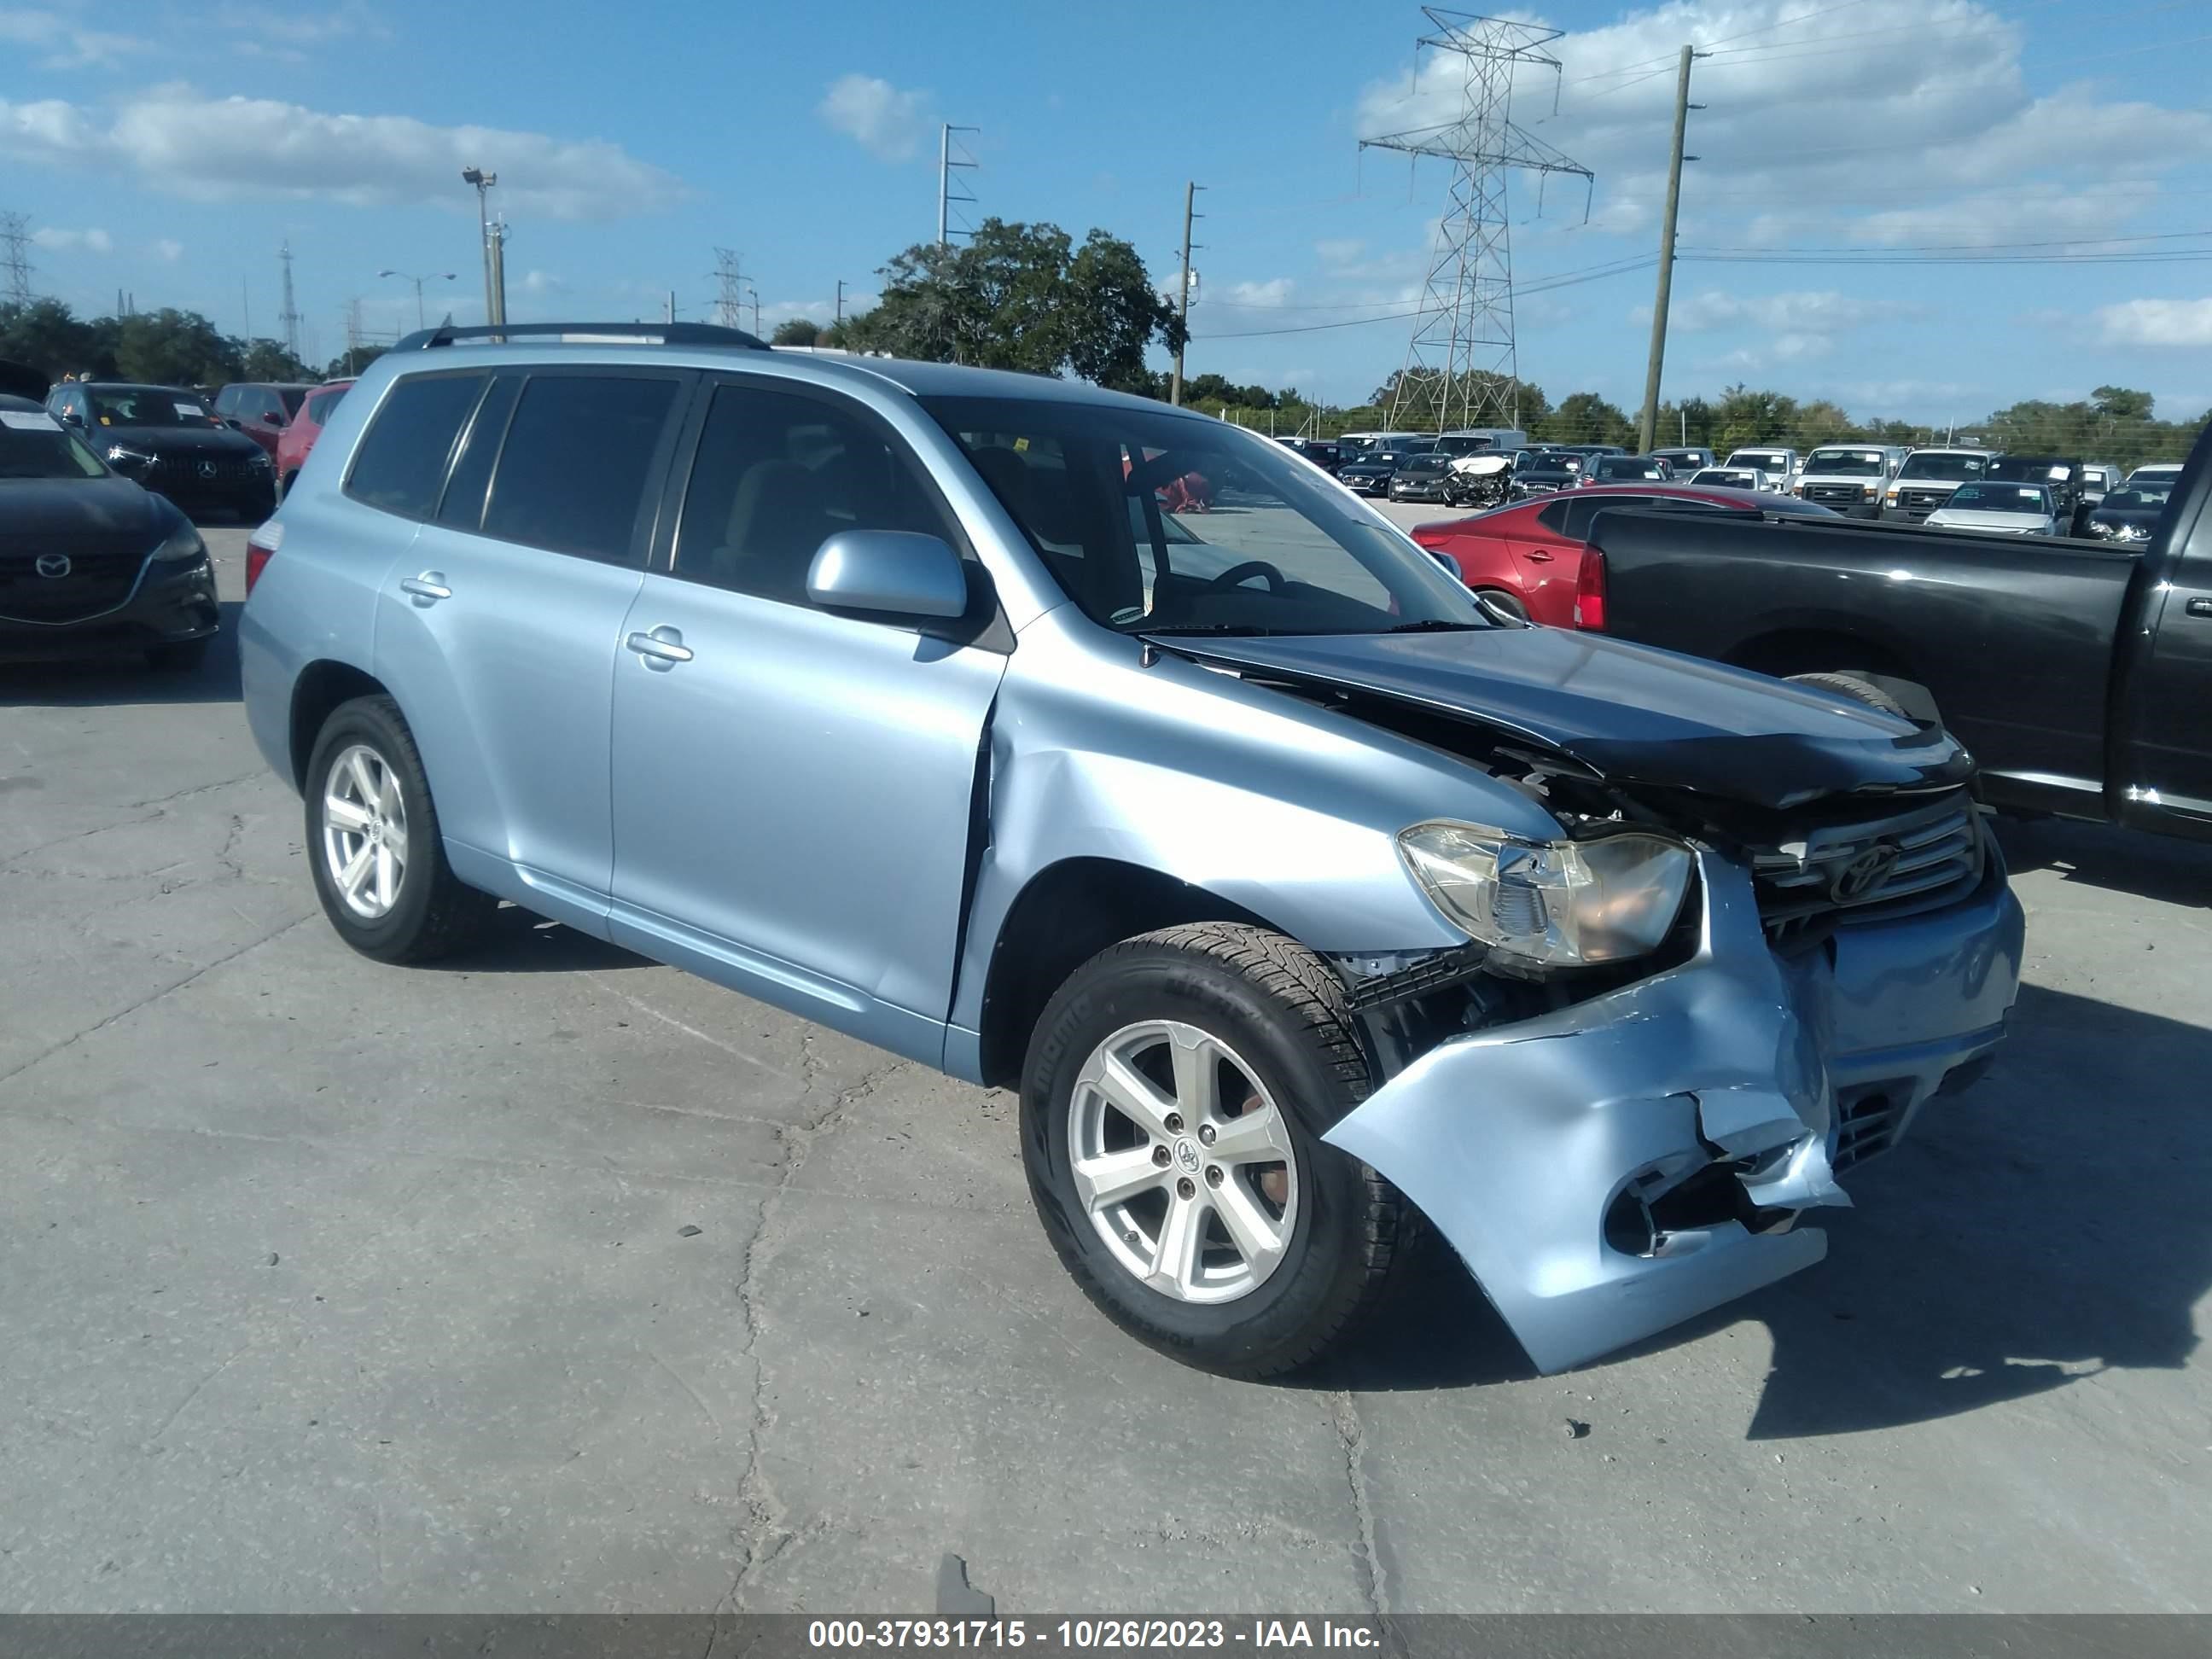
[1074, 744]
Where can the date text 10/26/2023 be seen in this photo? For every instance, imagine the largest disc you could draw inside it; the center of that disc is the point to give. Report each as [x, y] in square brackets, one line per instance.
[1048, 1636]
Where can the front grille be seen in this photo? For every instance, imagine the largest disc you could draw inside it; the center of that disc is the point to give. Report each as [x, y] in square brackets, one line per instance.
[184, 472]
[1868, 1119]
[1922, 501]
[96, 582]
[1835, 492]
[1881, 867]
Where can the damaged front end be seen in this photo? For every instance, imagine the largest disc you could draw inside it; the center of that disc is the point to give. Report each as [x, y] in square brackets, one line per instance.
[1609, 1158]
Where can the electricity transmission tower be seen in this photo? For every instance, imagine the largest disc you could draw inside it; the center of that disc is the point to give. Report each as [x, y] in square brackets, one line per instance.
[729, 303]
[15, 261]
[1460, 368]
[290, 315]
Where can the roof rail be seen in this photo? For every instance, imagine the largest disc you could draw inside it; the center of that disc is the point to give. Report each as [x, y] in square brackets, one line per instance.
[692, 334]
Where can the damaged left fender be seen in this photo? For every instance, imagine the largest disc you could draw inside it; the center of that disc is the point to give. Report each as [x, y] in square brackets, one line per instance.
[1619, 1165]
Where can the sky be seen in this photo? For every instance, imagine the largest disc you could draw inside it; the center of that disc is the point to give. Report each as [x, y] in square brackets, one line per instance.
[1848, 156]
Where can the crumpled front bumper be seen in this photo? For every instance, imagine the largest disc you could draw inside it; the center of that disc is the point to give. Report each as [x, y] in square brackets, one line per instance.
[1518, 1142]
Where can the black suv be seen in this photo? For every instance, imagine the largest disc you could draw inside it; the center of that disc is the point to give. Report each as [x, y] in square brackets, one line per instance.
[167, 438]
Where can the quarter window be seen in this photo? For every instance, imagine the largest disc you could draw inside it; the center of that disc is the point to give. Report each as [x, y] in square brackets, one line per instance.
[578, 460]
[777, 475]
[401, 463]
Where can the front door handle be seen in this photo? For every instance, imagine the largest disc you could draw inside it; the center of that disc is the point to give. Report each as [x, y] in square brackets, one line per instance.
[430, 586]
[1537, 556]
[662, 649]
[2200, 607]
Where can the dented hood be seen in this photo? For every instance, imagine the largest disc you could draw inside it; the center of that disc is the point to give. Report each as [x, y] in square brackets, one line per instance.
[1633, 714]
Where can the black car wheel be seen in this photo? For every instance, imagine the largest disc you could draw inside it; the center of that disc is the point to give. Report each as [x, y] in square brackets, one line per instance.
[1173, 1103]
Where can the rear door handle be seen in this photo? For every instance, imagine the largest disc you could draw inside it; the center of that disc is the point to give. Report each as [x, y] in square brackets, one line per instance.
[2200, 607]
[1536, 555]
[430, 586]
[662, 649]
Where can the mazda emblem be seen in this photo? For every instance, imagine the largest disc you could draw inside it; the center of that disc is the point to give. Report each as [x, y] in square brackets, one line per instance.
[54, 565]
[1863, 874]
[207, 469]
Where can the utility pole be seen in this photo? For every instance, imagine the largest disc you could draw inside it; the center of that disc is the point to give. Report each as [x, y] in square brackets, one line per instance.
[246, 306]
[494, 263]
[946, 163]
[755, 292]
[290, 315]
[841, 299]
[1182, 296]
[672, 304]
[1682, 108]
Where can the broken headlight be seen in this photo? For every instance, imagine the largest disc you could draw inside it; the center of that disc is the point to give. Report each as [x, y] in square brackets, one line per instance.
[1565, 903]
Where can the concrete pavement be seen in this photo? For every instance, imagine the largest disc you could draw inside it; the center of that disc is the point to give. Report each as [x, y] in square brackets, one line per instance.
[332, 1286]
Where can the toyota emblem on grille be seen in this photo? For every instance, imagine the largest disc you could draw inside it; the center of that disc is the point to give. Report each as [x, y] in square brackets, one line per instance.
[53, 564]
[207, 469]
[1863, 874]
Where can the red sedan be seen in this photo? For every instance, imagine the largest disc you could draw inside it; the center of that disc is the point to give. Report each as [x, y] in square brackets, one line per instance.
[1527, 557]
[293, 442]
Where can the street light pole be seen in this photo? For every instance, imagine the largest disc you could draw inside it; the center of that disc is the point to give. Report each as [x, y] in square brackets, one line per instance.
[406, 276]
[494, 286]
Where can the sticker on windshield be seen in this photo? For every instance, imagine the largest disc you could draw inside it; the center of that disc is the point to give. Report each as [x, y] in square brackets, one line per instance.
[29, 420]
[189, 411]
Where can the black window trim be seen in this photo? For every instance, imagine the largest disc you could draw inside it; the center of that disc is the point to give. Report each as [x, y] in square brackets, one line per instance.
[645, 527]
[353, 461]
[461, 442]
[991, 632]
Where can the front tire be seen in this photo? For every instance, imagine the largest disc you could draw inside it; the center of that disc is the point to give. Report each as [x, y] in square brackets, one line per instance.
[374, 844]
[1176, 1093]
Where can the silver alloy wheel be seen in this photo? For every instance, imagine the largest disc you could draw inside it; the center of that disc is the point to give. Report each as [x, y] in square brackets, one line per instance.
[1183, 1162]
[364, 831]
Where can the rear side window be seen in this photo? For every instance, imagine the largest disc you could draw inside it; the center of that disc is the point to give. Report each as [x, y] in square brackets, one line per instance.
[287, 401]
[578, 458]
[463, 507]
[400, 466]
[323, 405]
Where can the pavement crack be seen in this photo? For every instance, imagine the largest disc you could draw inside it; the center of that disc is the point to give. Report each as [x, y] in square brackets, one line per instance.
[195, 1391]
[1374, 1581]
[705, 1410]
[768, 1532]
[101, 1024]
[195, 789]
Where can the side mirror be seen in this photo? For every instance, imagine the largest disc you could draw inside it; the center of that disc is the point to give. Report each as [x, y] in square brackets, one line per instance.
[890, 573]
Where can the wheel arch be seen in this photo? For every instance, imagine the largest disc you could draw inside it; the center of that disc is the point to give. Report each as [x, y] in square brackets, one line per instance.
[1818, 649]
[318, 689]
[1064, 914]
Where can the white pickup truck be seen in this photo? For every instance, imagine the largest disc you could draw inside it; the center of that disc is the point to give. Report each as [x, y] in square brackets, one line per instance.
[1926, 480]
[1848, 478]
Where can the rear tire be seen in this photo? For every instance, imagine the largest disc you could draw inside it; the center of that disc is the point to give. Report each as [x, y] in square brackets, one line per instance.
[373, 843]
[1243, 1035]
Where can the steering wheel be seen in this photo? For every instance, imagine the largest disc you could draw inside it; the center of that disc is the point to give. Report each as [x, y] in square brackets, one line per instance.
[1238, 572]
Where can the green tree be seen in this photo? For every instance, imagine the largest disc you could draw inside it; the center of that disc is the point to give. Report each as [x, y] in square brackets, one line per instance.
[48, 336]
[176, 348]
[350, 363]
[268, 360]
[796, 331]
[2118, 403]
[1583, 417]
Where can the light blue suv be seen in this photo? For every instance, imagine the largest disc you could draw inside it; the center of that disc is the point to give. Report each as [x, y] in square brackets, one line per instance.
[1301, 897]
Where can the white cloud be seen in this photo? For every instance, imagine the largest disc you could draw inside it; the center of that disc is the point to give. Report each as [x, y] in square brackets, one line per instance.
[1807, 314]
[170, 250]
[1276, 291]
[66, 42]
[73, 241]
[543, 282]
[886, 122]
[2156, 323]
[170, 139]
[1339, 250]
[1916, 112]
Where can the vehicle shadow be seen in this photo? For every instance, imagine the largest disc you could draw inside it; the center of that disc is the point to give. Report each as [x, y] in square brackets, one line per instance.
[2119, 860]
[124, 677]
[519, 941]
[2047, 1224]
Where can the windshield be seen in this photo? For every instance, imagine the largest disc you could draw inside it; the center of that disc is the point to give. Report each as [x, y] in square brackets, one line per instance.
[1166, 522]
[1847, 462]
[1766, 460]
[1992, 498]
[148, 406]
[34, 446]
[1428, 464]
[1612, 467]
[2149, 494]
[1714, 475]
[1950, 467]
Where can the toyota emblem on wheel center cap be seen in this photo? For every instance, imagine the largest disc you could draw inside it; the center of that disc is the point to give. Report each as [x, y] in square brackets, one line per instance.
[53, 564]
[1186, 1153]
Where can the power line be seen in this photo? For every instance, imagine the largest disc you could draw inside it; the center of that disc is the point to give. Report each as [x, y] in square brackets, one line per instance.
[1621, 268]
